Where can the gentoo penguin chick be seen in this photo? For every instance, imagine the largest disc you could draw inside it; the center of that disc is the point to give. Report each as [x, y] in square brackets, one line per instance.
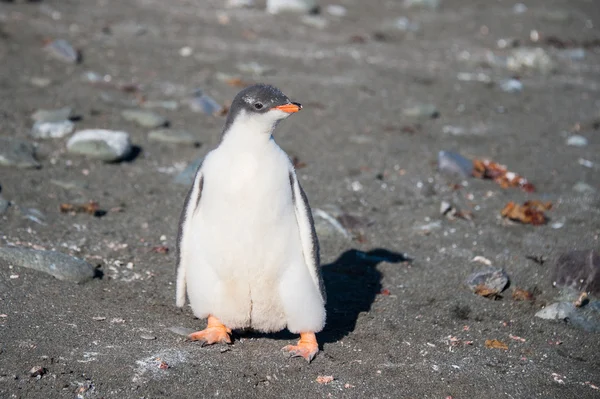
[248, 251]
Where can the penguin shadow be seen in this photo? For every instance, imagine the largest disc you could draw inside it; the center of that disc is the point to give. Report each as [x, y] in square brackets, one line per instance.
[352, 283]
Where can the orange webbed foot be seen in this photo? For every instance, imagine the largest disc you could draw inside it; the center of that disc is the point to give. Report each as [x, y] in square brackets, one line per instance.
[307, 347]
[215, 332]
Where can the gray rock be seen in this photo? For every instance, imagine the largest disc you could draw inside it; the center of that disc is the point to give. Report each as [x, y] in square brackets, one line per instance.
[537, 59]
[144, 118]
[63, 51]
[181, 331]
[511, 86]
[17, 153]
[577, 141]
[430, 4]
[57, 264]
[491, 278]
[556, 311]
[450, 162]
[52, 115]
[422, 111]
[578, 270]
[105, 145]
[584, 188]
[41, 82]
[186, 177]
[204, 103]
[52, 130]
[4, 205]
[290, 6]
[173, 136]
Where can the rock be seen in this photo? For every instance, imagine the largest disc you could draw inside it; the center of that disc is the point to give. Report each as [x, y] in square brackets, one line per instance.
[41, 82]
[106, 145]
[186, 177]
[204, 103]
[181, 331]
[17, 153]
[556, 311]
[52, 130]
[430, 4]
[492, 279]
[173, 136]
[524, 58]
[577, 141]
[336, 10]
[63, 51]
[450, 162]
[52, 115]
[148, 337]
[57, 264]
[422, 111]
[578, 270]
[144, 118]
[4, 205]
[291, 6]
[584, 188]
[511, 86]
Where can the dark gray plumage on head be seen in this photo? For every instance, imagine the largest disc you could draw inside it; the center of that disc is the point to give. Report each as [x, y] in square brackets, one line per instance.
[260, 99]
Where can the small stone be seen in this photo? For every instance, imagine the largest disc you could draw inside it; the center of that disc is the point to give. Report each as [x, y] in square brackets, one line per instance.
[52, 115]
[185, 51]
[430, 4]
[291, 6]
[254, 68]
[144, 118]
[57, 264]
[422, 111]
[537, 59]
[52, 130]
[519, 8]
[181, 331]
[4, 205]
[556, 311]
[492, 279]
[578, 270]
[453, 163]
[204, 103]
[17, 153]
[173, 136]
[105, 145]
[186, 177]
[40, 81]
[148, 337]
[577, 141]
[584, 188]
[336, 10]
[585, 162]
[37, 371]
[511, 86]
[63, 51]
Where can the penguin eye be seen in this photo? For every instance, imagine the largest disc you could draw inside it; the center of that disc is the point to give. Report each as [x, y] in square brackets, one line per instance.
[258, 105]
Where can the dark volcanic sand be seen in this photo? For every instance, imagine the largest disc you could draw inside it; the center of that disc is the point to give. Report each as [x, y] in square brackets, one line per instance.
[354, 85]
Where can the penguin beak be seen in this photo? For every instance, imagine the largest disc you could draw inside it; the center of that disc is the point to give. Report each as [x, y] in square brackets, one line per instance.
[289, 108]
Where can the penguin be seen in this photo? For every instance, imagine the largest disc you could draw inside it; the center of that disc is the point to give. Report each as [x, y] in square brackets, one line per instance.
[248, 252]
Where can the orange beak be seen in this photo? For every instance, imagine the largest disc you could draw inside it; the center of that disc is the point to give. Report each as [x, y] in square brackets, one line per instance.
[289, 108]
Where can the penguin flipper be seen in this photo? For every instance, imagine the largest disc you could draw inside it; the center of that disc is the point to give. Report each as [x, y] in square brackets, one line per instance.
[192, 202]
[308, 234]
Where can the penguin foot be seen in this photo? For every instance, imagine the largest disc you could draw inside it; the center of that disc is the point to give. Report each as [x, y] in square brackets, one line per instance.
[215, 332]
[307, 347]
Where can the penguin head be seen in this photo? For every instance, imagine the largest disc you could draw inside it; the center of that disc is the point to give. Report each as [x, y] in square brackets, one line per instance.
[259, 108]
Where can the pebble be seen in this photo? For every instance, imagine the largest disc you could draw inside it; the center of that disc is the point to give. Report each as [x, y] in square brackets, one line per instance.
[422, 111]
[292, 6]
[431, 4]
[52, 130]
[578, 270]
[4, 205]
[577, 141]
[453, 163]
[336, 10]
[181, 331]
[185, 51]
[492, 278]
[204, 103]
[173, 136]
[144, 118]
[556, 311]
[41, 82]
[148, 337]
[254, 68]
[511, 86]
[186, 177]
[63, 51]
[530, 58]
[52, 115]
[584, 188]
[57, 264]
[17, 153]
[106, 145]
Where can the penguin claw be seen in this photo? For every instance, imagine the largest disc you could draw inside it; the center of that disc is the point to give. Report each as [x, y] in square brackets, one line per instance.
[211, 335]
[307, 347]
